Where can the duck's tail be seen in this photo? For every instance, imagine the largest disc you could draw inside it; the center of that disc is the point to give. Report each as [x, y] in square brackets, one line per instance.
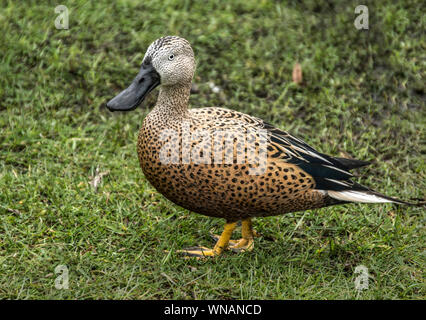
[370, 196]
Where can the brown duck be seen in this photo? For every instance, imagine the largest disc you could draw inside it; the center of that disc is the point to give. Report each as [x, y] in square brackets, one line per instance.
[224, 163]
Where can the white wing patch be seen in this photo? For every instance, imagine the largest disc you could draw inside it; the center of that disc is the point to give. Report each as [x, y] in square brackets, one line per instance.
[357, 196]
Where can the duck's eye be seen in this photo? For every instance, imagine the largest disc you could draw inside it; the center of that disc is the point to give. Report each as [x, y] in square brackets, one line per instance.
[171, 57]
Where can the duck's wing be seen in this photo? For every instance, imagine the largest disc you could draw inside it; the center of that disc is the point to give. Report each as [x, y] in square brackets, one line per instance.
[331, 174]
[287, 145]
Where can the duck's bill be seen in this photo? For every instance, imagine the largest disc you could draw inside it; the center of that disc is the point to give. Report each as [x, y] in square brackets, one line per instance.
[146, 80]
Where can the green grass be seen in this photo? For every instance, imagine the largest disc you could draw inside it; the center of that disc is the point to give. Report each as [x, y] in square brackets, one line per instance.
[363, 94]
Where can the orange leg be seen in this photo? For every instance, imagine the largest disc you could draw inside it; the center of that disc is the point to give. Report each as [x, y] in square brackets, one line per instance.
[246, 243]
[221, 244]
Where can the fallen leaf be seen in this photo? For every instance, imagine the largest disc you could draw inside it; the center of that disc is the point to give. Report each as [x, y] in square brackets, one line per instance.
[346, 155]
[96, 181]
[297, 73]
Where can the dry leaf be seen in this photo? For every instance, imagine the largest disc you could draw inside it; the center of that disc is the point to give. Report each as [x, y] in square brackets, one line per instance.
[98, 178]
[14, 211]
[297, 73]
[346, 155]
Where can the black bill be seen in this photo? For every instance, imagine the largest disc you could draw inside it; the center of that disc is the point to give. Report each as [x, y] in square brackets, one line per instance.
[146, 80]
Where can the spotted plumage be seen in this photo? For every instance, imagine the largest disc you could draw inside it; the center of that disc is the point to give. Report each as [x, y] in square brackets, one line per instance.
[226, 190]
[224, 163]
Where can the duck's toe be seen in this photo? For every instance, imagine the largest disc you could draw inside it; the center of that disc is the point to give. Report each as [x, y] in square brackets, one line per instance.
[198, 252]
[221, 244]
[242, 245]
[237, 245]
[246, 243]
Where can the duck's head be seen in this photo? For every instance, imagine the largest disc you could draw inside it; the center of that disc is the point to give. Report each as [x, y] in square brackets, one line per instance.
[169, 61]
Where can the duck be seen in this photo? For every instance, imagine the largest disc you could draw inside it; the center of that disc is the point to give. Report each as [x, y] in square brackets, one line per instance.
[224, 163]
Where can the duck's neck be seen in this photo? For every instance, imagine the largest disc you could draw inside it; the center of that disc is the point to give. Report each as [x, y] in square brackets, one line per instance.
[173, 101]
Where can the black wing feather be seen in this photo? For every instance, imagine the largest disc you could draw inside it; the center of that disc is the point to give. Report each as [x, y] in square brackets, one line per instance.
[329, 173]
